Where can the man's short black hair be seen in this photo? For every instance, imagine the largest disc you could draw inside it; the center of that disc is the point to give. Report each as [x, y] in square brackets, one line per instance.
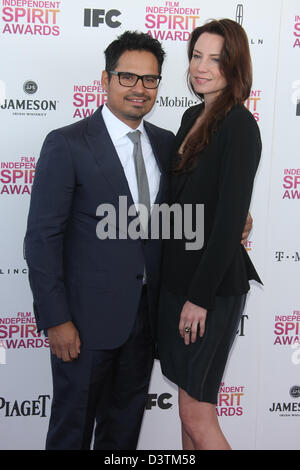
[132, 41]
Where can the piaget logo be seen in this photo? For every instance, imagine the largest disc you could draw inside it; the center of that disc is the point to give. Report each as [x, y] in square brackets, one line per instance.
[37, 407]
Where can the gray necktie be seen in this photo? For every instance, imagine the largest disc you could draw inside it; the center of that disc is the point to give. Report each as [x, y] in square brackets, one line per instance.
[141, 175]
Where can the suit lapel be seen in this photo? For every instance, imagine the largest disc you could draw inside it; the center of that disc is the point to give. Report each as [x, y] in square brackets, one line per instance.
[109, 163]
[158, 150]
[106, 156]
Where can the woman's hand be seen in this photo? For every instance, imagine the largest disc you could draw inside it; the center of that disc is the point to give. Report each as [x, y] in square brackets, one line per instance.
[191, 316]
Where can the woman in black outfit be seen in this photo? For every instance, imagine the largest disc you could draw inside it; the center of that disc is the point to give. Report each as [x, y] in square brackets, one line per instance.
[218, 150]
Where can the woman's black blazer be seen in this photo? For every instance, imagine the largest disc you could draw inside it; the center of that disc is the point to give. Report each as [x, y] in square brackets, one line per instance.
[222, 180]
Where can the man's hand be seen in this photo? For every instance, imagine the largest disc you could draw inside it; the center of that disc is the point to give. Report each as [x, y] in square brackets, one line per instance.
[64, 341]
[247, 229]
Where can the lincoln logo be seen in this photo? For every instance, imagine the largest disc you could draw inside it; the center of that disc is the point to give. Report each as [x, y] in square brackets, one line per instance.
[239, 14]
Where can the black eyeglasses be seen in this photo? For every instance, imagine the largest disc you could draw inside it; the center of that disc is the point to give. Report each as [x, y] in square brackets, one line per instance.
[130, 79]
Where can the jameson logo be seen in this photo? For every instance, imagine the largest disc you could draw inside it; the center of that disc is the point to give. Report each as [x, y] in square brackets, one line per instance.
[288, 408]
[134, 222]
[31, 106]
[30, 87]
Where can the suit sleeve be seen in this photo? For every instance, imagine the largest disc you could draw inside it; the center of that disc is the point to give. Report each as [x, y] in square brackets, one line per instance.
[240, 149]
[50, 206]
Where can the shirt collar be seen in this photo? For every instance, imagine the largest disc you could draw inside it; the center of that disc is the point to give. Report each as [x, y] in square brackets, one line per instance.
[117, 128]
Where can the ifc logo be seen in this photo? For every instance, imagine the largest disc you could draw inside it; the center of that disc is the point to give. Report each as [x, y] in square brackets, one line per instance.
[159, 400]
[94, 17]
[30, 87]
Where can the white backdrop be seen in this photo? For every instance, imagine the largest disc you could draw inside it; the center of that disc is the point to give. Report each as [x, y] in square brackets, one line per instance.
[51, 62]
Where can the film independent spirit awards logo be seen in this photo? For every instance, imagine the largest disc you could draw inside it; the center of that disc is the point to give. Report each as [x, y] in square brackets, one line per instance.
[30, 18]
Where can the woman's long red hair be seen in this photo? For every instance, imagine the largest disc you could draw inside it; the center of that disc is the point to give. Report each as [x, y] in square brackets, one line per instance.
[235, 64]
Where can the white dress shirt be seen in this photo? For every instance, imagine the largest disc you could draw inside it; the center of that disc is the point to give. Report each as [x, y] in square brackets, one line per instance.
[118, 131]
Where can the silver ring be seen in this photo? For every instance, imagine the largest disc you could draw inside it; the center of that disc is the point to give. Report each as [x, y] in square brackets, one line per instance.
[187, 329]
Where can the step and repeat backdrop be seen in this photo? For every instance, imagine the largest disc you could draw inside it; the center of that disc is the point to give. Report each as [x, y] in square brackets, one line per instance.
[51, 62]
